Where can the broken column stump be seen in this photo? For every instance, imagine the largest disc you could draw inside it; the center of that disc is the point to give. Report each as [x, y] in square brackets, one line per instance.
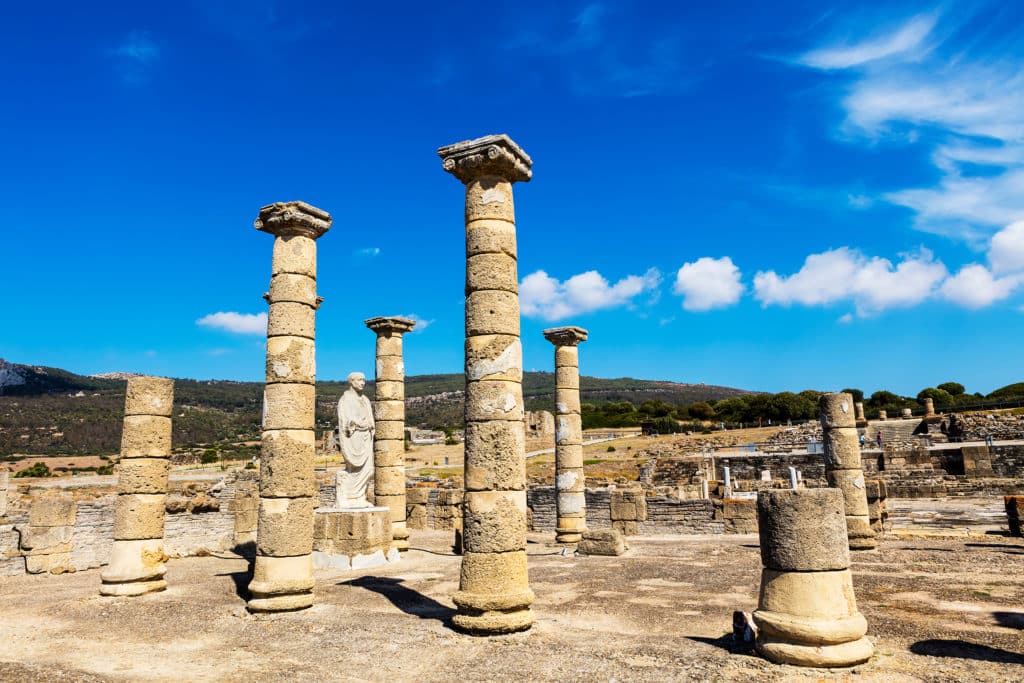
[807, 613]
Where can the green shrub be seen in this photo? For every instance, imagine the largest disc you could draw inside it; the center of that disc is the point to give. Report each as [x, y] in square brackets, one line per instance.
[38, 470]
[611, 449]
[208, 457]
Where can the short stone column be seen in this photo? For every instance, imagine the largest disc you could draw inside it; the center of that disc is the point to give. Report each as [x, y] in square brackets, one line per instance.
[929, 407]
[494, 593]
[882, 415]
[570, 481]
[843, 467]
[283, 573]
[137, 558]
[859, 410]
[807, 612]
[389, 418]
[49, 539]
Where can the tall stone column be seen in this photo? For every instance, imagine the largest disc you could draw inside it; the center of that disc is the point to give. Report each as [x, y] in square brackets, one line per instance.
[843, 467]
[283, 573]
[389, 418]
[570, 482]
[807, 613]
[929, 407]
[494, 593]
[137, 558]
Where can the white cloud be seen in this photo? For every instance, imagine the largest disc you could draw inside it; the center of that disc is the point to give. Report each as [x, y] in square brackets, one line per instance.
[709, 283]
[1006, 252]
[872, 284]
[239, 323]
[846, 318]
[930, 83]
[135, 55]
[906, 38]
[421, 324]
[542, 296]
[975, 287]
[367, 251]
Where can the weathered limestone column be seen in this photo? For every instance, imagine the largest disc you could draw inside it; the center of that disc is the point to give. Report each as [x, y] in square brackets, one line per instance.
[929, 407]
[807, 612]
[137, 558]
[882, 415]
[843, 467]
[389, 418]
[859, 410]
[570, 482]
[283, 573]
[494, 593]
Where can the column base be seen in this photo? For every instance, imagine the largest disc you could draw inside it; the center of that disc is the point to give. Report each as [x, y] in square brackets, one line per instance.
[827, 656]
[493, 622]
[568, 537]
[135, 568]
[400, 533]
[281, 584]
[860, 534]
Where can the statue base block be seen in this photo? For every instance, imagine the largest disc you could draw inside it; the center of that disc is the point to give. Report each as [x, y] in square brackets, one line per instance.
[352, 538]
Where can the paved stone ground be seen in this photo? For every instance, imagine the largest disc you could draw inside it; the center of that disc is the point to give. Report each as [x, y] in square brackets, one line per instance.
[938, 610]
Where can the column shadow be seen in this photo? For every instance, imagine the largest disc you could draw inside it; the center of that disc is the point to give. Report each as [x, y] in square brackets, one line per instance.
[961, 649]
[242, 579]
[1010, 619]
[405, 599]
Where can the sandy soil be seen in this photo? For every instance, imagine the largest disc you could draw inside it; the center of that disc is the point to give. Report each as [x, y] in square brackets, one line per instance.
[938, 610]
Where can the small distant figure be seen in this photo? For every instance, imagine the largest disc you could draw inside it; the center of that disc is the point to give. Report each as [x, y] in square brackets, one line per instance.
[862, 441]
[989, 440]
[878, 439]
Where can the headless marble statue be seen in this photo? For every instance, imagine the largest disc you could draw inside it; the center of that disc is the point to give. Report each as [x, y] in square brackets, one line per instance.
[355, 437]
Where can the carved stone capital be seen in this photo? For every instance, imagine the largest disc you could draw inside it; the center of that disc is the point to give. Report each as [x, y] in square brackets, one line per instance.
[565, 336]
[293, 218]
[489, 156]
[390, 325]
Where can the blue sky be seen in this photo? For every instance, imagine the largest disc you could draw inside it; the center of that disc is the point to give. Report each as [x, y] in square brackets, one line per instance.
[774, 197]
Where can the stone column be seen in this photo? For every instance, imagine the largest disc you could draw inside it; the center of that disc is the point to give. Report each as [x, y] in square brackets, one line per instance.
[283, 573]
[882, 415]
[807, 612]
[389, 417]
[843, 467]
[494, 593]
[858, 408]
[929, 407]
[137, 558]
[570, 482]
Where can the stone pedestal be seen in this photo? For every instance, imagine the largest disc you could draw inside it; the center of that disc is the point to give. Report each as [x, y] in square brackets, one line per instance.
[353, 539]
[807, 613]
[137, 558]
[602, 542]
[389, 416]
[570, 481]
[283, 572]
[843, 467]
[877, 492]
[882, 415]
[49, 539]
[494, 592]
[5, 477]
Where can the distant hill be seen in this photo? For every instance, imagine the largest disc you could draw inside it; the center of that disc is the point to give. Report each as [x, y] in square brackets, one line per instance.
[52, 411]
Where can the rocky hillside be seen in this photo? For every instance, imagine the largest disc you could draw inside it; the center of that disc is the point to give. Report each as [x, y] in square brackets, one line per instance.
[53, 411]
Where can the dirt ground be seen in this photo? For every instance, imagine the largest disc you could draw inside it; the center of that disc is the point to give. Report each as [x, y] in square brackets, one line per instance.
[938, 610]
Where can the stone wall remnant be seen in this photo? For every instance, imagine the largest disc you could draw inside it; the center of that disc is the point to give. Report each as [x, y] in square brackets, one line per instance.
[807, 613]
[570, 480]
[283, 573]
[48, 540]
[389, 418]
[843, 467]
[494, 593]
[137, 557]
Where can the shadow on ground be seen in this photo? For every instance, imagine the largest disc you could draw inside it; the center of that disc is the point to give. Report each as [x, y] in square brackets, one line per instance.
[1010, 619]
[405, 599]
[961, 649]
[242, 580]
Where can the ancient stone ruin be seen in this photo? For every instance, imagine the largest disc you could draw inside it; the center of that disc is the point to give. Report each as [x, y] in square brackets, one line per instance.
[843, 467]
[494, 592]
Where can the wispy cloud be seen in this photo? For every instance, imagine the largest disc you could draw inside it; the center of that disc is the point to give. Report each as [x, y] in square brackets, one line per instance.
[904, 39]
[134, 56]
[925, 83]
[367, 252]
[421, 323]
[542, 296]
[238, 323]
[708, 283]
[599, 58]
[217, 352]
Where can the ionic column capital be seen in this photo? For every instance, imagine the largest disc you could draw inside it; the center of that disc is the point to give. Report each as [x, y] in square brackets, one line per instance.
[390, 325]
[492, 156]
[565, 336]
[286, 219]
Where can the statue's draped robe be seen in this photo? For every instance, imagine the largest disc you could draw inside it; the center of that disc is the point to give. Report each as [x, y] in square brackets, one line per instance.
[355, 435]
